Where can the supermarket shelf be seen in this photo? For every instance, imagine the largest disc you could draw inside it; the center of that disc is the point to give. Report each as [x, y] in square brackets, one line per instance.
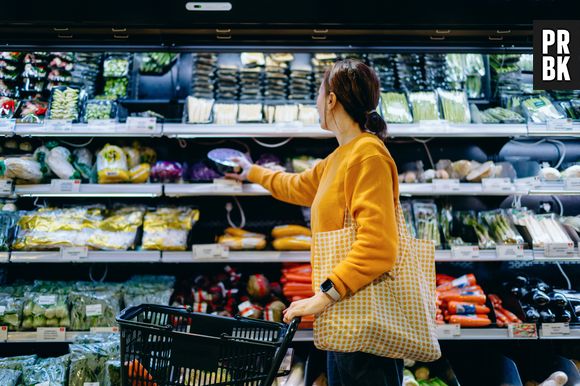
[276, 130]
[31, 337]
[186, 190]
[92, 257]
[446, 256]
[554, 129]
[239, 257]
[92, 190]
[574, 334]
[4, 257]
[85, 130]
[437, 129]
[464, 189]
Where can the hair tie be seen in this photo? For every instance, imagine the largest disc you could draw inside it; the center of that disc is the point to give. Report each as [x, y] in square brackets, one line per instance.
[371, 112]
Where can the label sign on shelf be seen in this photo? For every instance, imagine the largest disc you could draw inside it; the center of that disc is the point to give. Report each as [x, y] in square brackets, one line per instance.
[522, 330]
[206, 251]
[436, 124]
[448, 330]
[555, 329]
[572, 183]
[558, 249]
[141, 124]
[74, 253]
[527, 183]
[496, 184]
[7, 125]
[446, 185]
[559, 124]
[5, 186]
[507, 251]
[104, 330]
[94, 310]
[91, 384]
[3, 333]
[222, 184]
[102, 123]
[464, 251]
[51, 334]
[65, 186]
[46, 300]
[58, 125]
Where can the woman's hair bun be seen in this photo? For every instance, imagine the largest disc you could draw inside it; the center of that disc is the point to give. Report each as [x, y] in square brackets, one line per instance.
[376, 124]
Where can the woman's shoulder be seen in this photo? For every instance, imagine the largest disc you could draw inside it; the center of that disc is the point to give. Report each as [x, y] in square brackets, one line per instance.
[367, 147]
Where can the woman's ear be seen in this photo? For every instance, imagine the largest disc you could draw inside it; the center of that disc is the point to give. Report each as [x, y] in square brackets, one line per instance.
[331, 101]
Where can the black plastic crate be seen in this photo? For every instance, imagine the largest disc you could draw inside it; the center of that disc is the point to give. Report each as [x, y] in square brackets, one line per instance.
[169, 346]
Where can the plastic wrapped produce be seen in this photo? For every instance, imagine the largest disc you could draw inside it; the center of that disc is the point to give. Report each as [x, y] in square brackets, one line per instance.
[395, 107]
[408, 214]
[485, 241]
[10, 377]
[112, 373]
[541, 228]
[17, 362]
[165, 171]
[117, 231]
[250, 112]
[425, 106]
[148, 290]
[425, 214]
[23, 169]
[168, 228]
[133, 156]
[7, 107]
[45, 307]
[540, 109]
[225, 113]
[116, 66]
[112, 165]
[454, 105]
[199, 171]
[116, 87]
[10, 311]
[156, 63]
[88, 362]
[59, 161]
[501, 226]
[97, 109]
[49, 371]
[83, 162]
[94, 305]
[65, 103]
[140, 174]
[199, 110]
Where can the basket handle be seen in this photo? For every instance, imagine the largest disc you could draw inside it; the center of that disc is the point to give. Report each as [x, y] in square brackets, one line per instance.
[292, 327]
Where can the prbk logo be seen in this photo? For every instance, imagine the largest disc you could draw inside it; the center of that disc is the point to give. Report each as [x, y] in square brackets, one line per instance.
[557, 55]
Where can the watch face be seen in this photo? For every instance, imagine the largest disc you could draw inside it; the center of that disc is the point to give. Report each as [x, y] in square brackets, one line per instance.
[326, 285]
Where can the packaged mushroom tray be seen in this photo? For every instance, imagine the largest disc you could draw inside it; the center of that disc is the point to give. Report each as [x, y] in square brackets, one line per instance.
[463, 170]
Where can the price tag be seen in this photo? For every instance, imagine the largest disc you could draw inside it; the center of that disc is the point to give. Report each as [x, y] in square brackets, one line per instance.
[555, 329]
[572, 183]
[102, 123]
[91, 384]
[58, 125]
[446, 185]
[94, 310]
[559, 124]
[461, 252]
[522, 330]
[205, 251]
[74, 253]
[46, 300]
[527, 183]
[558, 249]
[448, 330]
[7, 125]
[509, 251]
[232, 186]
[5, 186]
[437, 124]
[104, 330]
[495, 184]
[141, 124]
[51, 334]
[65, 186]
[3, 333]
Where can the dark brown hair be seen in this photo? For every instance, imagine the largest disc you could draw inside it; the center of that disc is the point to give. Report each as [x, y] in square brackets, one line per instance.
[356, 87]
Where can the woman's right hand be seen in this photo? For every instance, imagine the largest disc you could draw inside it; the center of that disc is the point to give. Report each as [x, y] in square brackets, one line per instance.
[245, 167]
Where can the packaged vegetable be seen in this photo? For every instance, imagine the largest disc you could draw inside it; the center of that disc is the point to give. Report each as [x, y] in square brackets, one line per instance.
[290, 231]
[240, 243]
[49, 371]
[65, 103]
[395, 107]
[426, 223]
[408, 214]
[112, 373]
[148, 290]
[540, 109]
[10, 311]
[425, 106]
[7, 107]
[17, 362]
[485, 241]
[116, 66]
[98, 109]
[112, 165]
[139, 174]
[239, 232]
[59, 161]
[83, 162]
[293, 243]
[45, 309]
[10, 377]
[94, 305]
[201, 172]
[88, 362]
[133, 156]
[23, 169]
[199, 110]
[168, 228]
[502, 227]
[455, 106]
[156, 63]
[165, 171]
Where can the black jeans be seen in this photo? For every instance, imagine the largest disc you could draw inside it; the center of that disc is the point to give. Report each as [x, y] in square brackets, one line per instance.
[362, 369]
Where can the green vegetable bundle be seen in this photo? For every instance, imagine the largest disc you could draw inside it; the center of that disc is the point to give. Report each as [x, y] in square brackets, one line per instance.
[156, 63]
[99, 109]
[94, 305]
[112, 373]
[46, 306]
[18, 362]
[485, 241]
[65, 103]
[148, 290]
[116, 66]
[425, 213]
[424, 104]
[455, 107]
[52, 371]
[10, 312]
[501, 226]
[395, 107]
[10, 377]
[88, 362]
[500, 114]
[408, 214]
[540, 109]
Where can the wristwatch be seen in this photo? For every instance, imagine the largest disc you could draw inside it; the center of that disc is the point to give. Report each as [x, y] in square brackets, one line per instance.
[328, 288]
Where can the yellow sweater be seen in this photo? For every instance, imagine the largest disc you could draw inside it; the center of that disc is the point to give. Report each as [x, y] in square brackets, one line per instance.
[361, 176]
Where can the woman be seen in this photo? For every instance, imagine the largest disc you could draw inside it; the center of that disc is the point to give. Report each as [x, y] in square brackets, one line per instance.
[359, 176]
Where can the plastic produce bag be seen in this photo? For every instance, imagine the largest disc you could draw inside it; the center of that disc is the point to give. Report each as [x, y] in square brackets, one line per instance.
[168, 228]
[455, 106]
[502, 227]
[112, 373]
[540, 109]
[17, 362]
[46, 306]
[112, 165]
[10, 377]
[396, 108]
[83, 162]
[425, 214]
[59, 161]
[49, 371]
[424, 104]
[148, 290]
[24, 169]
[485, 241]
[10, 312]
[94, 305]
[165, 171]
[133, 156]
[65, 103]
[88, 362]
[199, 171]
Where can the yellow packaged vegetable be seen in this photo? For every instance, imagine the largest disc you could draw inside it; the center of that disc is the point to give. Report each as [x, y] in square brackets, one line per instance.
[112, 165]
[295, 243]
[290, 231]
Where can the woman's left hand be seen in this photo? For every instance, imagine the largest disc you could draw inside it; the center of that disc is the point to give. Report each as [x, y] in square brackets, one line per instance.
[311, 306]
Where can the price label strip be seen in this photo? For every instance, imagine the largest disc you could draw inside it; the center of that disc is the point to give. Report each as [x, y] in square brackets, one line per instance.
[65, 186]
[6, 187]
[559, 249]
[461, 252]
[74, 253]
[572, 183]
[207, 251]
[496, 184]
[141, 124]
[3, 333]
[7, 125]
[509, 252]
[446, 185]
[555, 329]
[51, 334]
[559, 125]
[523, 330]
[58, 125]
[104, 330]
[230, 186]
[448, 330]
[103, 124]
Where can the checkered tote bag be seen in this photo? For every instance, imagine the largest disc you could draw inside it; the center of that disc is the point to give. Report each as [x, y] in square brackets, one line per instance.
[394, 316]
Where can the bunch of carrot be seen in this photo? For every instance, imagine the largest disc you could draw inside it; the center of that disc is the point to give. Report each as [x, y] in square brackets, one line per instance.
[503, 316]
[297, 285]
[461, 301]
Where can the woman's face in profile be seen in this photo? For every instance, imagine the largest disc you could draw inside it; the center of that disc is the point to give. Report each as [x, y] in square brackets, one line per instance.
[320, 106]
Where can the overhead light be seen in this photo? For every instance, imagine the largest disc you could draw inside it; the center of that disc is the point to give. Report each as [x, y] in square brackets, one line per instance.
[208, 7]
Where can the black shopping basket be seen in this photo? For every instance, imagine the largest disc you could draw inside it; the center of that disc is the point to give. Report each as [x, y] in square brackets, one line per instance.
[169, 346]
